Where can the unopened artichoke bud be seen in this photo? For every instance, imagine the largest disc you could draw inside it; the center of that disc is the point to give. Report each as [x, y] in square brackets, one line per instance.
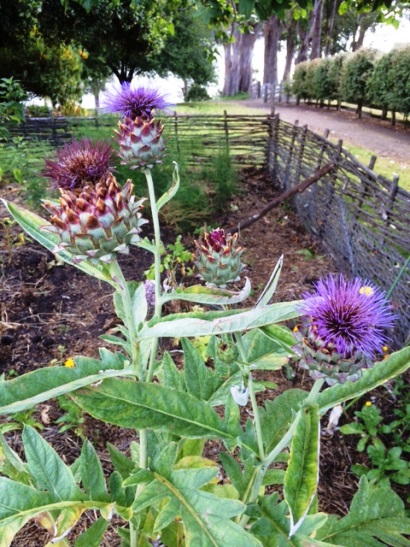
[98, 223]
[140, 142]
[218, 259]
[227, 352]
[343, 330]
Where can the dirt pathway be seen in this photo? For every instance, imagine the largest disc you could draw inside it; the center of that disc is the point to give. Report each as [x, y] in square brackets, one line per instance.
[374, 134]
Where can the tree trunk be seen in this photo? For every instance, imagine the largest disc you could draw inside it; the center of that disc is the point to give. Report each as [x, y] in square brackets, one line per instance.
[290, 49]
[330, 25]
[246, 44]
[272, 36]
[316, 30]
[303, 35]
[232, 53]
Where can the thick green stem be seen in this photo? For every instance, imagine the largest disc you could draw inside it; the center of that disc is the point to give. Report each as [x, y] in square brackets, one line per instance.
[255, 483]
[122, 288]
[157, 242]
[252, 396]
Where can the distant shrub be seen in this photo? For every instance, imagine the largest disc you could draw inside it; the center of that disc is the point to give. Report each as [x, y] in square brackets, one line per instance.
[357, 71]
[196, 93]
[38, 111]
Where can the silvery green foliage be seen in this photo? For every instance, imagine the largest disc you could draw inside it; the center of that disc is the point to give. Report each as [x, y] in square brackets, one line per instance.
[165, 489]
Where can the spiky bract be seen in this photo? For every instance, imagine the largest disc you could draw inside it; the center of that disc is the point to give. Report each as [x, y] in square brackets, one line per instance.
[140, 141]
[98, 223]
[218, 259]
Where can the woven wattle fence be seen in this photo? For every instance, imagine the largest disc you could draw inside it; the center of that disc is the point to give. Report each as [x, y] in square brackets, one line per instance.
[361, 218]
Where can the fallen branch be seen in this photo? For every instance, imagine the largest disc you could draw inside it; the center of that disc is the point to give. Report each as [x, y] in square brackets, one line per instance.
[283, 197]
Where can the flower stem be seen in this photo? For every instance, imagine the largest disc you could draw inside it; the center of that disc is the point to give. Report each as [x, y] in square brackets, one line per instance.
[252, 396]
[122, 287]
[157, 240]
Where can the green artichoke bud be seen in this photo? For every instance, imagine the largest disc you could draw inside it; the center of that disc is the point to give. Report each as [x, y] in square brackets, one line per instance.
[102, 220]
[218, 259]
[324, 361]
[141, 142]
[227, 352]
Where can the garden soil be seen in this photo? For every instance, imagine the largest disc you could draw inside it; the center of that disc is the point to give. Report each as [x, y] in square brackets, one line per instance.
[50, 312]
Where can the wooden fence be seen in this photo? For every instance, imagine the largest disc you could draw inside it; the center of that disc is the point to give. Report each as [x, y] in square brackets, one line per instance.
[363, 219]
[56, 131]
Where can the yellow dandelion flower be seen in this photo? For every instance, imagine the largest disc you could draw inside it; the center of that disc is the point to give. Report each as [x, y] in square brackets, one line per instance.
[69, 363]
[368, 403]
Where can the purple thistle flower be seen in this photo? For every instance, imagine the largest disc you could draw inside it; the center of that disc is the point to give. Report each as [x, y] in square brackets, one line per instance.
[134, 103]
[350, 315]
[79, 164]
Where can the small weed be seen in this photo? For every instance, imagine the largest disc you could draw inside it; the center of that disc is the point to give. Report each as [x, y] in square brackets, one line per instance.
[387, 464]
[19, 420]
[73, 417]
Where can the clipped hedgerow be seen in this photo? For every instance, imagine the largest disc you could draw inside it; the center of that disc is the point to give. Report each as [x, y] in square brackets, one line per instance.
[357, 71]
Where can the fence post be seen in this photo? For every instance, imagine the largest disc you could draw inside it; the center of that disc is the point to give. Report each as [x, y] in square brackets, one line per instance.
[389, 205]
[226, 128]
[298, 171]
[335, 159]
[290, 154]
[322, 149]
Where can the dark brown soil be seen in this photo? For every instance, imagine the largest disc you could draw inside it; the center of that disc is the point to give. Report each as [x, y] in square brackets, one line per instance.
[51, 311]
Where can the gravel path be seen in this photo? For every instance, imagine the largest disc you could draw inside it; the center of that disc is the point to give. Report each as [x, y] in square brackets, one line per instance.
[374, 134]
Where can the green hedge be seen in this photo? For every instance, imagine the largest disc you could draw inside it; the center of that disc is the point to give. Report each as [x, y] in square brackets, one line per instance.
[364, 78]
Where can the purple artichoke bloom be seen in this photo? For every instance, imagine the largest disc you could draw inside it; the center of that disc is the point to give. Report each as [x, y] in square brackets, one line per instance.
[349, 315]
[134, 103]
[79, 164]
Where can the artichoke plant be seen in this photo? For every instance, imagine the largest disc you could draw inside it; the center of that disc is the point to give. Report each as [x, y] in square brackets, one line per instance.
[139, 136]
[343, 329]
[218, 258]
[97, 223]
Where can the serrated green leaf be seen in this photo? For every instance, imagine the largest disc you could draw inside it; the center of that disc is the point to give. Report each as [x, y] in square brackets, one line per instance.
[92, 475]
[11, 465]
[139, 306]
[277, 415]
[206, 517]
[94, 535]
[19, 503]
[302, 474]
[170, 193]
[48, 470]
[199, 325]
[270, 288]
[47, 383]
[140, 405]
[198, 378]
[395, 364]
[33, 224]
[171, 376]
[201, 294]
[376, 513]
[263, 353]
